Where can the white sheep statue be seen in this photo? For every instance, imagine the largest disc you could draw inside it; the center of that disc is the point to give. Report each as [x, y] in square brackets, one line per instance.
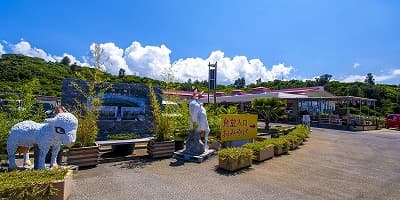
[55, 131]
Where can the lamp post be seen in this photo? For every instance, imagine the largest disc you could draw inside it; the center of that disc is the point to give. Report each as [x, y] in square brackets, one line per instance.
[212, 80]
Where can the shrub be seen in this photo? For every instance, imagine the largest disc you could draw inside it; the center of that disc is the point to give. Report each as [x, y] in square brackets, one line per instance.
[87, 128]
[281, 142]
[163, 125]
[30, 184]
[257, 146]
[237, 153]
[122, 136]
[293, 139]
[301, 131]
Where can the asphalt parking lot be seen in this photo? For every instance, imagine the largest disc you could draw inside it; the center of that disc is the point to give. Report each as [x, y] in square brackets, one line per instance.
[332, 164]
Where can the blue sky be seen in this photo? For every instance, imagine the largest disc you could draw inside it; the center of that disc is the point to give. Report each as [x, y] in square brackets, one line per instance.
[286, 39]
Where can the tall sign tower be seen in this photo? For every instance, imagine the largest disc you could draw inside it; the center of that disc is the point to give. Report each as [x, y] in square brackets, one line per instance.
[212, 80]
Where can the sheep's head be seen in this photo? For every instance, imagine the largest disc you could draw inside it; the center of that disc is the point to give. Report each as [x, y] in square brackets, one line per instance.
[64, 126]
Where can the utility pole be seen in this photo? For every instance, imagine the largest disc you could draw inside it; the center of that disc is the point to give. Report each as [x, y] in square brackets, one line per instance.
[212, 80]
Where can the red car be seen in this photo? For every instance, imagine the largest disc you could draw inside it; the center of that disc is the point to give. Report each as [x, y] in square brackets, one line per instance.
[393, 121]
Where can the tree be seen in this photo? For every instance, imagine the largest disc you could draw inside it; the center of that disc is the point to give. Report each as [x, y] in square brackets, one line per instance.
[240, 83]
[269, 108]
[121, 73]
[258, 82]
[66, 61]
[370, 79]
[323, 79]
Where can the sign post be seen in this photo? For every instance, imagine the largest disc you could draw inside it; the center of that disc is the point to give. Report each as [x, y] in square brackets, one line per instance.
[238, 127]
[212, 80]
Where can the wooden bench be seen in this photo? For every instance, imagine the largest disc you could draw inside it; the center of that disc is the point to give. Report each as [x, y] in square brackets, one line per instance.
[121, 142]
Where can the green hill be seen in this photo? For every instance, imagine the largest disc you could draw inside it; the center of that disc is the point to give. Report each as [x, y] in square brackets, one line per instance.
[15, 70]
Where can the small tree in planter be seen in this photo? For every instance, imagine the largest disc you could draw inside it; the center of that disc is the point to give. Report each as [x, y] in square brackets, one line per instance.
[85, 151]
[232, 159]
[162, 145]
[262, 150]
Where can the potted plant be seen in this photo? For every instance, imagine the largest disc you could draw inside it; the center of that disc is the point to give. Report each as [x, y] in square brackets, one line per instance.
[281, 145]
[302, 132]
[262, 150]
[36, 184]
[294, 140]
[163, 144]
[123, 149]
[85, 152]
[232, 159]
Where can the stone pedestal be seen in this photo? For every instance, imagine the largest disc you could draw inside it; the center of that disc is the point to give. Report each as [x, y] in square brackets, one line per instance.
[194, 145]
[182, 155]
[195, 150]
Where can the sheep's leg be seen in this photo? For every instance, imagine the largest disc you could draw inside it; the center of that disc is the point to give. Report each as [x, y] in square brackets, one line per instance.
[54, 153]
[43, 149]
[11, 149]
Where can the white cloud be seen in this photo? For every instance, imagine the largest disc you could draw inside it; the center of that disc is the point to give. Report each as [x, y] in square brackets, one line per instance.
[112, 58]
[2, 51]
[354, 78]
[355, 65]
[148, 61]
[378, 78]
[228, 69]
[153, 61]
[25, 48]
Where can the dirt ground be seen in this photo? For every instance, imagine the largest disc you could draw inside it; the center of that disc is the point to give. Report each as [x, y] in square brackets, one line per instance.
[330, 165]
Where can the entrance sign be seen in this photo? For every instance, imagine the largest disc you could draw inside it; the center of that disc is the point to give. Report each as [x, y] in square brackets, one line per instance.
[238, 127]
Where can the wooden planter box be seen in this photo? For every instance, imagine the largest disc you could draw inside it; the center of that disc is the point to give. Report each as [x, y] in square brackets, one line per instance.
[64, 187]
[264, 154]
[160, 149]
[233, 165]
[294, 145]
[279, 151]
[84, 156]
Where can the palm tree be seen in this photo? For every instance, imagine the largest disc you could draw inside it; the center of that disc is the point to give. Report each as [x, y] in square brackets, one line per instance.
[269, 108]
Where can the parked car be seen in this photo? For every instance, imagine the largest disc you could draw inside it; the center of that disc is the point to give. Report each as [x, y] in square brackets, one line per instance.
[393, 121]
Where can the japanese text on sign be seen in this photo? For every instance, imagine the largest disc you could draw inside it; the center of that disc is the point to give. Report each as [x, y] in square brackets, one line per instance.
[238, 127]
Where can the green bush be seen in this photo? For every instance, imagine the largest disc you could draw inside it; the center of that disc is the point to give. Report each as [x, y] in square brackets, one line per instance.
[301, 131]
[237, 153]
[122, 136]
[293, 139]
[30, 184]
[257, 146]
[279, 142]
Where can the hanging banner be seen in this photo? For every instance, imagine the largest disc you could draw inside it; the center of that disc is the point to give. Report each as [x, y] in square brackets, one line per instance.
[238, 127]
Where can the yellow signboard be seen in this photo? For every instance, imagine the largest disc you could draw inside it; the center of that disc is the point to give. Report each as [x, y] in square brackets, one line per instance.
[238, 127]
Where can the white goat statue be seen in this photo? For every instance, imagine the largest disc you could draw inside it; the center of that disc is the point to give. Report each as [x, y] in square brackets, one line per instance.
[55, 131]
[198, 117]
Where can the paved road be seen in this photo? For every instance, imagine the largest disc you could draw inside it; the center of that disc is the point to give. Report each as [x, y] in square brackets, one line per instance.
[331, 165]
